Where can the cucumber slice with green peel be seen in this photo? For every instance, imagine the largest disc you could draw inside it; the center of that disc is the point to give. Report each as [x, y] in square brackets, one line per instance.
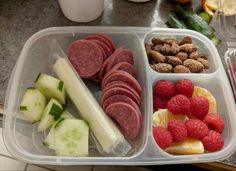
[49, 140]
[33, 104]
[71, 138]
[51, 87]
[51, 113]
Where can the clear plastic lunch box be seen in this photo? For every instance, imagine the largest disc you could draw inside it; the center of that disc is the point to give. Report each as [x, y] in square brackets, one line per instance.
[23, 141]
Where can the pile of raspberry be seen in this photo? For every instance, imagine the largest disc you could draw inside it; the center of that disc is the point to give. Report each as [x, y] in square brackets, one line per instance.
[177, 98]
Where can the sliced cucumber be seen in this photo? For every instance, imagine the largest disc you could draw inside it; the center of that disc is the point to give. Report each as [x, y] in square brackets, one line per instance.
[51, 113]
[33, 104]
[71, 138]
[51, 87]
[49, 140]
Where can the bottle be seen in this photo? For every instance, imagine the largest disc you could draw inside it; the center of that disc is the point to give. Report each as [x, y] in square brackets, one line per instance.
[82, 10]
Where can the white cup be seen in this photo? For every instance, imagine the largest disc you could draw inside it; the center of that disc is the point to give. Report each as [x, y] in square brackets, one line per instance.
[82, 10]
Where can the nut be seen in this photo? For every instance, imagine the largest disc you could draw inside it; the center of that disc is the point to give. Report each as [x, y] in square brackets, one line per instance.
[193, 66]
[157, 56]
[204, 56]
[151, 61]
[204, 63]
[182, 56]
[188, 48]
[180, 69]
[148, 48]
[157, 47]
[194, 55]
[166, 49]
[169, 41]
[156, 41]
[162, 67]
[173, 60]
[174, 48]
[185, 40]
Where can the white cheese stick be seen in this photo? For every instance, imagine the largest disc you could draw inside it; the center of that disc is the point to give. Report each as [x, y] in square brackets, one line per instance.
[105, 131]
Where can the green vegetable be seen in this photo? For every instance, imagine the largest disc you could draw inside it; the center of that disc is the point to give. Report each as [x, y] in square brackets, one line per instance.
[174, 22]
[215, 40]
[71, 138]
[51, 87]
[33, 104]
[51, 113]
[205, 16]
[194, 21]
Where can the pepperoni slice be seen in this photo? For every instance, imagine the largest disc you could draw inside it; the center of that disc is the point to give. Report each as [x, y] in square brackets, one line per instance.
[119, 90]
[119, 75]
[120, 55]
[119, 98]
[86, 57]
[105, 39]
[127, 118]
[125, 66]
[122, 85]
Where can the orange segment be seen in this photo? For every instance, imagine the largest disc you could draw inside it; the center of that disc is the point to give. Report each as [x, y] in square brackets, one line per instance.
[163, 116]
[212, 4]
[207, 9]
[188, 146]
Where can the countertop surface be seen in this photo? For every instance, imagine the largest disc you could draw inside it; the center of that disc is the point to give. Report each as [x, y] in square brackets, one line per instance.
[19, 19]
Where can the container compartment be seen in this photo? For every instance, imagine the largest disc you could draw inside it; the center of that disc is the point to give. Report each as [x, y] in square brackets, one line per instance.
[37, 57]
[223, 109]
[197, 39]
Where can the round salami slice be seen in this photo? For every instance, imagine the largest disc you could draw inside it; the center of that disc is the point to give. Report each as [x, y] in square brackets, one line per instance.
[102, 72]
[122, 55]
[101, 38]
[119, 90]
[121, 76]
[101, 48]
[86, 57]
[108, 38]
[119, 98]
[105, 47]
[123, 85]
[128, 119]
[125, 66]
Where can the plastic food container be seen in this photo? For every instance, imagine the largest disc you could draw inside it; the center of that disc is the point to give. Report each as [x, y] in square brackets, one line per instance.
[24, 142]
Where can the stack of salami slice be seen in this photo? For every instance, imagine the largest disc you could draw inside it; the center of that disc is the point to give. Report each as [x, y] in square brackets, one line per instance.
[96, 58]
[88, 55]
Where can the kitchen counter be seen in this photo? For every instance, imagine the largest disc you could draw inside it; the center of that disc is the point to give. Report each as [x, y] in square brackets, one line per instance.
[19, 19]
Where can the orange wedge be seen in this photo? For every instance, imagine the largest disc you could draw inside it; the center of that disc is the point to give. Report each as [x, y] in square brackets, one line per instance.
[163, 116]
[207, 9]
[188, 146]
[212, 4]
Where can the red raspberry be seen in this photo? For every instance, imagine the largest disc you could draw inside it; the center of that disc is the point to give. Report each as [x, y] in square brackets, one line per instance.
[162, 137]
[196, 128]
[214, 122]
[178, 130]
[159, 102]
[164, 88]
[179, 104]
[184, 87]
[199, 106]
[213, 141]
